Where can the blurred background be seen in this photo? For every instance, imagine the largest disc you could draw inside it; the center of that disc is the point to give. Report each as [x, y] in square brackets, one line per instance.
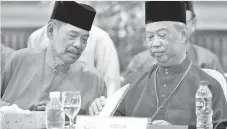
[124, 21]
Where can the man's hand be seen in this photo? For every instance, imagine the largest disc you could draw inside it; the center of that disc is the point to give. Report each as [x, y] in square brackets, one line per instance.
[3, 103]
[97, 106]
[160, 122]
[40, 106]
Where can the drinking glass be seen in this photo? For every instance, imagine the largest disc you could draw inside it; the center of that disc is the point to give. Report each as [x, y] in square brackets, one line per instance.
[71, 101]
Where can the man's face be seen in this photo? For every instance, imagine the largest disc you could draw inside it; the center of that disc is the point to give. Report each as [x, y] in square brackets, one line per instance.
[191, 22]
[69, 42]
[164, 42]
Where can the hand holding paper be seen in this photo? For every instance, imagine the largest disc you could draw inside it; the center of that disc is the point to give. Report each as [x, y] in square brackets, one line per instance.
[97, 106]
[106, 107]
[114, 101]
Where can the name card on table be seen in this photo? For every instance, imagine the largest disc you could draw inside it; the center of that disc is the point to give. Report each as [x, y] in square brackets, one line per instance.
[97, 122]
[167, 127]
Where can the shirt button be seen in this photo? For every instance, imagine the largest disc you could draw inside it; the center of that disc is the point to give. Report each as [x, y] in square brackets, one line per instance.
[166, 71]
[162, 107]
[55, 71]
[165, 85]
[163, 96]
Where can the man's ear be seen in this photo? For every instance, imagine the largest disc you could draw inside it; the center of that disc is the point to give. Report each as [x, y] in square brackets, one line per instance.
[194, 23]
[184, 34]
[50, 30]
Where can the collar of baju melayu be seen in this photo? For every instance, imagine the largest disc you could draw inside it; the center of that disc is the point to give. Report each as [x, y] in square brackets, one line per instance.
[54, 63]
[176, 69]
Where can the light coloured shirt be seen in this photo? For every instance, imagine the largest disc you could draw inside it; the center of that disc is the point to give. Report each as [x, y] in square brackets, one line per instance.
[27, 79]
[100, 52]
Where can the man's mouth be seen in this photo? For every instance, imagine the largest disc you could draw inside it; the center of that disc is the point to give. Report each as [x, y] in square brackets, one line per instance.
[73, 53]
[157, 54]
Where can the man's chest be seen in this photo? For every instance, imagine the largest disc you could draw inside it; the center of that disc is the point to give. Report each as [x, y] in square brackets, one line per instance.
[145, 101]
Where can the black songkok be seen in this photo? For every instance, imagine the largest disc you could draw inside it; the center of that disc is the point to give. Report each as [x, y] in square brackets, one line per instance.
[156, 11]
[79, 15]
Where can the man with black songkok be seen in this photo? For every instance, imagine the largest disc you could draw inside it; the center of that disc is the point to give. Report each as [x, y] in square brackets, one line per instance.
[200, 56]
[100, 52]
[31, 74]
[165, 93]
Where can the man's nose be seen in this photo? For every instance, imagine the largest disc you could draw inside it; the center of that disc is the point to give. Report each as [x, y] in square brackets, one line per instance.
[76, 43]
[156, 42]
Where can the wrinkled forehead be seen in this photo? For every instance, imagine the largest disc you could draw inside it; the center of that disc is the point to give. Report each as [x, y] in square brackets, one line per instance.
[162, 25]
[68, 28]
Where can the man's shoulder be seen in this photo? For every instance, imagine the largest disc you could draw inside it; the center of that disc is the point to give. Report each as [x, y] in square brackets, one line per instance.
[98, 32]
[138, 79]
[27, 53]
[38, 38]
[142, 55]
[144, 58]
[203, 51]
[141, 61]
[203, 76]
[87, 68]
[39, 31]
[140, 74]
[5, 51]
